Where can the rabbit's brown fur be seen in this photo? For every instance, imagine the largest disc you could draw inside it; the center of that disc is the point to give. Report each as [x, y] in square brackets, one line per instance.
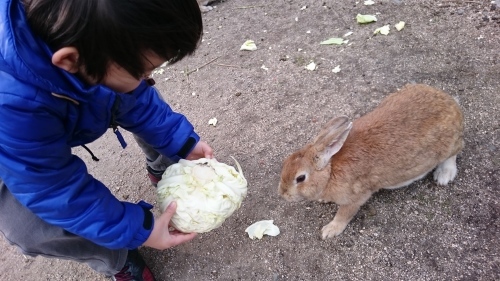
[410, 133]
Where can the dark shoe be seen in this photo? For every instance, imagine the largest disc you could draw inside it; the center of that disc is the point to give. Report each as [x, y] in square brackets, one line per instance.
[135, 269]
[154, 175]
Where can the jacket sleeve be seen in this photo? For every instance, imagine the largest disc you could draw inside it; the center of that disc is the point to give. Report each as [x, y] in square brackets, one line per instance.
[38, 168]
[145, 114]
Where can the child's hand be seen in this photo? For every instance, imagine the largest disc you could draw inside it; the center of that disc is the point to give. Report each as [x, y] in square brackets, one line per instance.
[201, 150]
[161, 238]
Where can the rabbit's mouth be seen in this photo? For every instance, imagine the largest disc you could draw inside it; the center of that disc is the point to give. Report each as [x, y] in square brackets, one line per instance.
[292, 198]
[289, 195]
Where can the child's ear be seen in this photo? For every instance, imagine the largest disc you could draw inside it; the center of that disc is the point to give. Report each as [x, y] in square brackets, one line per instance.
[67, 59]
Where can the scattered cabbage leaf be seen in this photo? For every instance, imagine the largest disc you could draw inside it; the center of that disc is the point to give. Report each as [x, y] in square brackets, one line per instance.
[383, 30]
[249, 45]
[333, 41]
[261, 228]
[365, 18]
[348, 34]
[311, 66]
[212, 121]
[400, 25]
[158, 71]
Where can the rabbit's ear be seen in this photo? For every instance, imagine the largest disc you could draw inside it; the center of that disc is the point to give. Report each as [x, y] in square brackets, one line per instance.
[332, 125]
[330, 140]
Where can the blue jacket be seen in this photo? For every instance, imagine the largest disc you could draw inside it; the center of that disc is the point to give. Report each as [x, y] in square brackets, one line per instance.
[45, 111]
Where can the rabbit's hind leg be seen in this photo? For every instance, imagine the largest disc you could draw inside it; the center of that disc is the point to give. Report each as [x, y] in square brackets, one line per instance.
[446, 171]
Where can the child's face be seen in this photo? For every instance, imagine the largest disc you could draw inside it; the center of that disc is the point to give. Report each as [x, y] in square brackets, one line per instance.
[119, 80]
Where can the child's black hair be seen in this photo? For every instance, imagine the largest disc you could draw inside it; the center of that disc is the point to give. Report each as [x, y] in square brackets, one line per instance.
[120, 31]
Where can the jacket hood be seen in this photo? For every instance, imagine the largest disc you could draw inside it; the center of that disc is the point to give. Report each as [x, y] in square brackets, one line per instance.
[26, 57]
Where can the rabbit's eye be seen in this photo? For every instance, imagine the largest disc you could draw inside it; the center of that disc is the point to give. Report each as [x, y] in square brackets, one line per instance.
[300, 178]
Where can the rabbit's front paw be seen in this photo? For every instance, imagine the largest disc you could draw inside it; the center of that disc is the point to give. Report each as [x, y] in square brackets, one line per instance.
[332, 229]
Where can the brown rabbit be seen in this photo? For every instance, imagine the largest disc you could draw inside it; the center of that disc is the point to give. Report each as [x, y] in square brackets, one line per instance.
[409, 134]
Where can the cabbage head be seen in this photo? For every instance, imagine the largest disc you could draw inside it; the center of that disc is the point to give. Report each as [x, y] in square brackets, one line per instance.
[207, 192]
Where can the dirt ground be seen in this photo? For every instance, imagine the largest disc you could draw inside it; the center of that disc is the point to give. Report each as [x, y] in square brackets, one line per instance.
[267, 105]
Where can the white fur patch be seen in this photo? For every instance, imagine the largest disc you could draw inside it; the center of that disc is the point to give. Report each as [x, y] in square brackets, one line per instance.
[446, 171]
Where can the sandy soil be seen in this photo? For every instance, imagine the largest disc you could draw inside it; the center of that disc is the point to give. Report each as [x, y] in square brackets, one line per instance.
[267, 105]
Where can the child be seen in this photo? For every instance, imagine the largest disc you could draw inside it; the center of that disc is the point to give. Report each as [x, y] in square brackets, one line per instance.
[70, 69]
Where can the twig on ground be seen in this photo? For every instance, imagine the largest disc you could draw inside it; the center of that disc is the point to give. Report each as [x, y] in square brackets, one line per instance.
[227, 65]
[250, 7]
[471, 2]
[200, 67]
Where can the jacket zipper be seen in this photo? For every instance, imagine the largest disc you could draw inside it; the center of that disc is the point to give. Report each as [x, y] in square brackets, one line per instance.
[114, 125]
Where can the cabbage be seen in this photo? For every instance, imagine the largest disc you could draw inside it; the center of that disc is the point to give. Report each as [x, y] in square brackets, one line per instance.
[261, 228]
[207, 192]
[365, 18]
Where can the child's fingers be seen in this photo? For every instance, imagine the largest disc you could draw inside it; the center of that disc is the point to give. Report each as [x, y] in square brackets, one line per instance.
[168, 214]
[170, 211]
[208, 151]
[179, 238]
